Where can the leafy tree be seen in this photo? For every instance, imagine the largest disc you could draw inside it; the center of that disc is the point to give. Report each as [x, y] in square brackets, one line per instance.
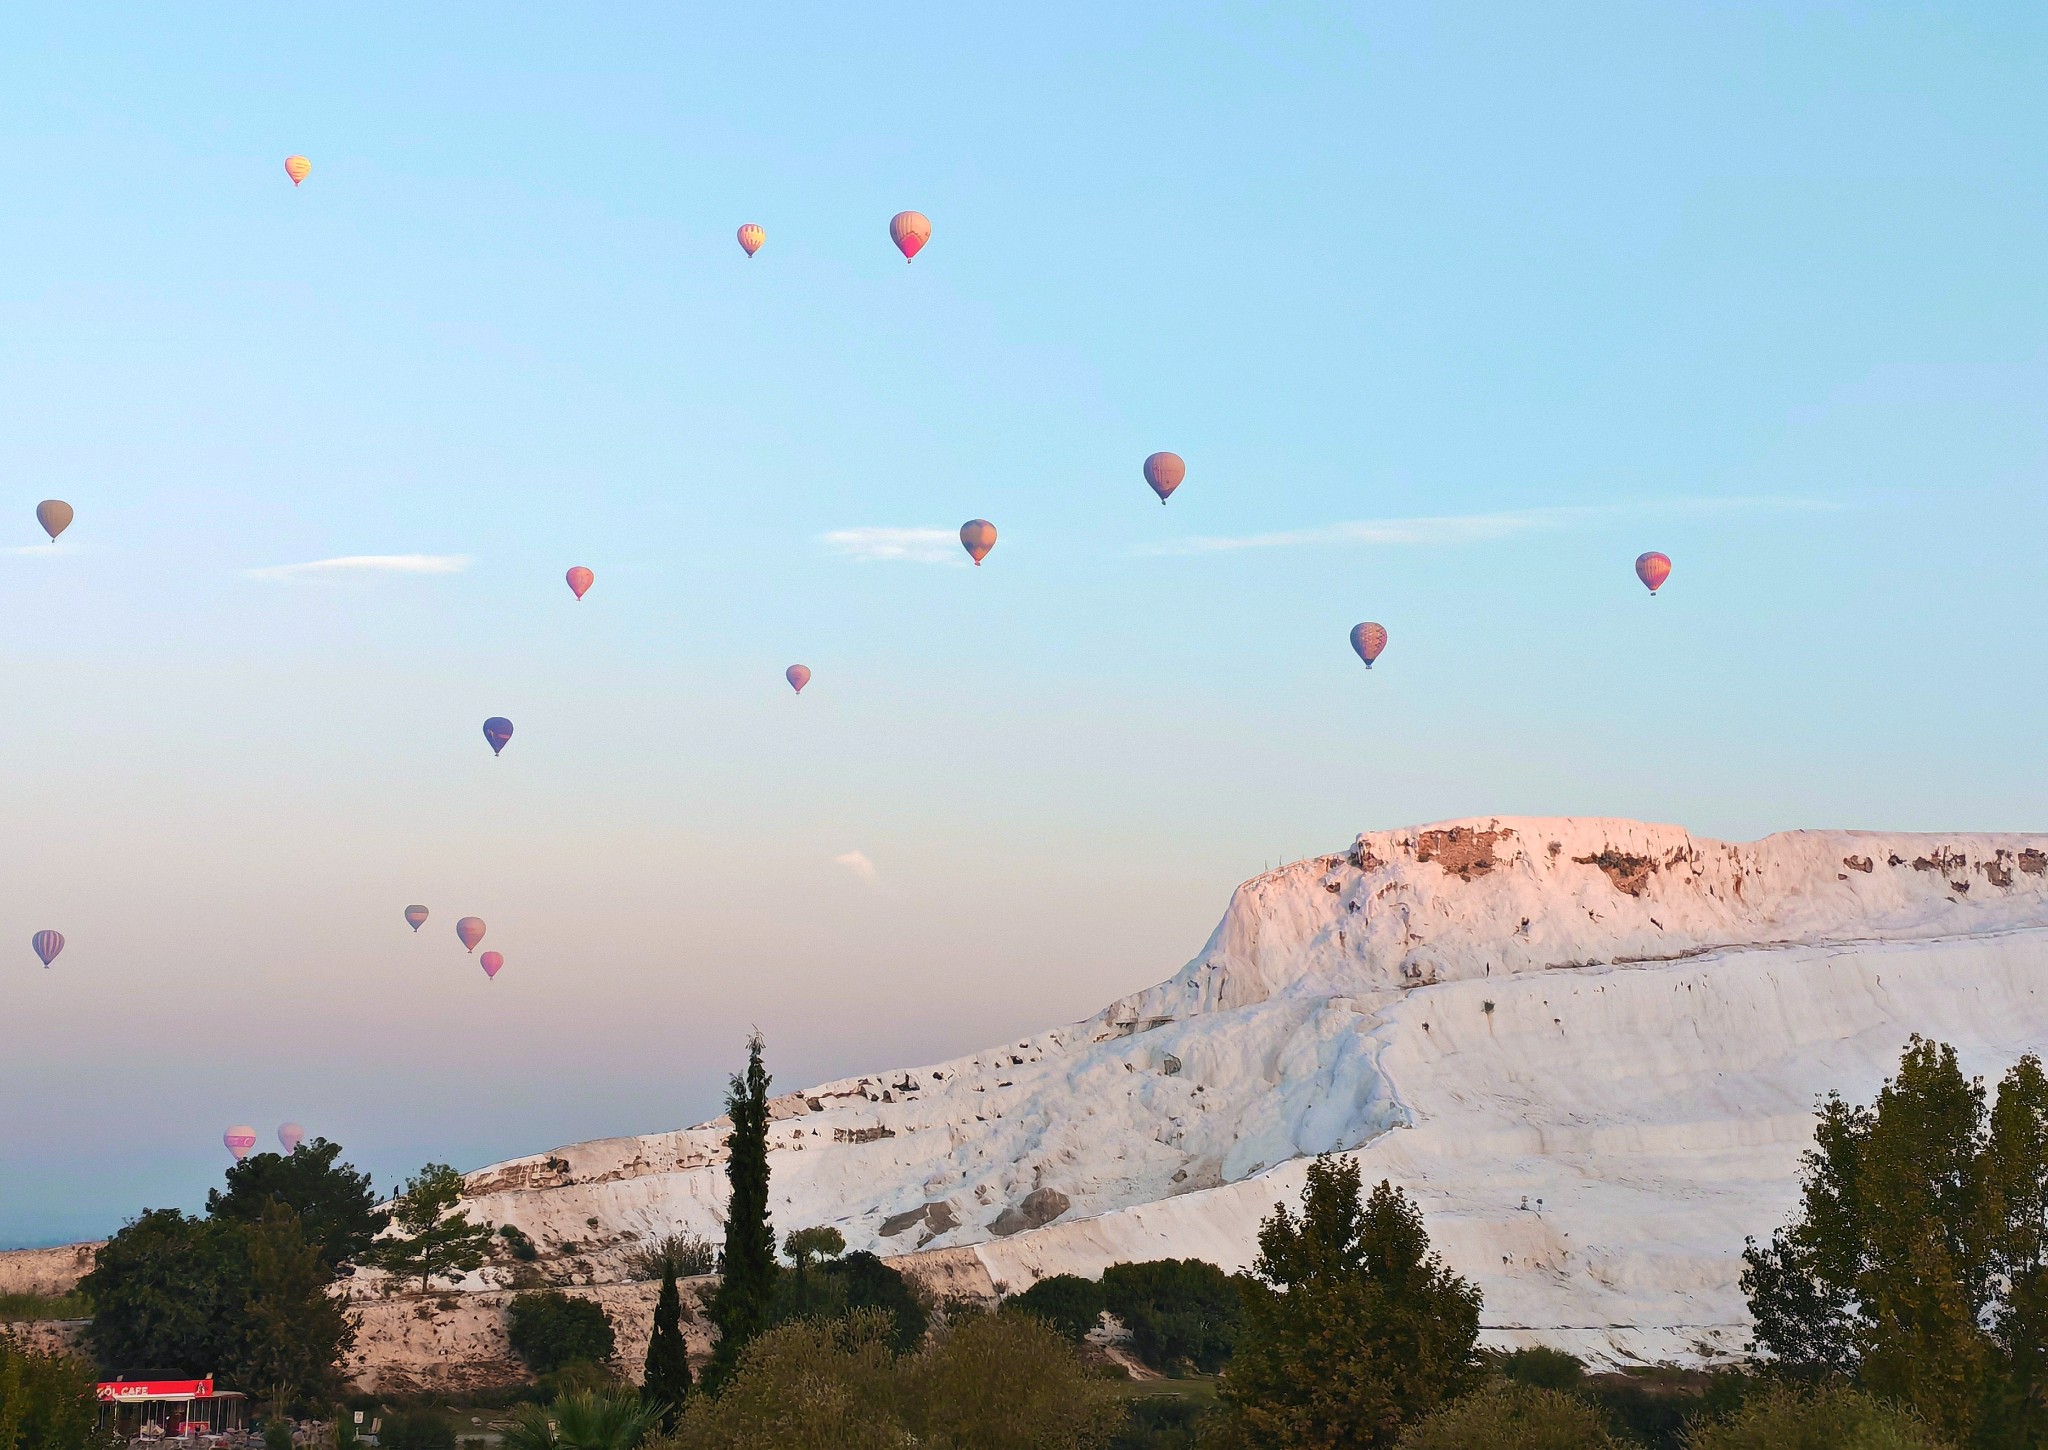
[1916, 1260]
[1352, 1328]
[744, 1303]
[859, 1280]
[806, 1385]
[46, 1400]
[435, 1238]
[1071, 1304]
[587, 1420]
[1005, 1382]
[334, 1202]
[1509, 1416]
[291, 1333]
[1543, 1368]
[1179, 1311]
[804, 1244]
[550, 1329]
[685, 1254]
[1836, 1418]
[163, 1297]
[666, 1383]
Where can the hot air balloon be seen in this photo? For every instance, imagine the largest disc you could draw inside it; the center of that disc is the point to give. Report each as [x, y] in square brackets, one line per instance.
[751, 237]
[416, 917]
[1368, 639]
[579, 579]
[909, 231]
[47, 945]
[497, 730]
[1653, 569]
[1164, 471]
[798, 676]
[291, 1135]
[490, 962]
[978, 536]
[54, 515]
[297, 168]
[471, 930]
[239, 1141]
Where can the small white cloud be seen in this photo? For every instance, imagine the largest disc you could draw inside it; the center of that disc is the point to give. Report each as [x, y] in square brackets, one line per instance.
[49, 548]
[858, 863]
[366, 564]
[913, 546]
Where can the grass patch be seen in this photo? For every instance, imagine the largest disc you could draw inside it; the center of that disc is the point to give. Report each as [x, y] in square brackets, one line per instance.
[15, 1308]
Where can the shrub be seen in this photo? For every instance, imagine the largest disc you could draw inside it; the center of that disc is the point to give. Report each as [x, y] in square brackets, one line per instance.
[859, 1280]
[687, 1254]
[1160, 1422]
[277, 1434]
[804, 1386]
[1069, 1303]
[1837, 1418]
[1509, 1416]
[417, 1430]
[1006, 1382]
[1179, 1311]
[46, 1400]
[17, 1307]
[550, 1329]
[1543, 1368]
[516, 1240]
[590, 1420]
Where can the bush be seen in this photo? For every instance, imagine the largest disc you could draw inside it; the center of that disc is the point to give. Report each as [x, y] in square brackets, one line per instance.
[277, 1434]
[1069, 1303]
[1160, 1422]
[550, 1329]
[1179, 1311]
[46, 1400]
[417, 1430]
[602, 1420]
[1006, 1382]
[1837, 1418]
[516, 1240]
[17, 1307]
[687, 1254]
[861, 1281]
[1543, 1368]
[1509, 1416]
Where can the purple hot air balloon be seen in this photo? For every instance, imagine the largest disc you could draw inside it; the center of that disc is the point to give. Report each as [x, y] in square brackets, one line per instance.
[1164, 471]
[497, 730]
[471, 930]
[47, 945]
[798, 676]
[416, 917]
[490, 962]
[239, 1140]
[291, 1135]
[1368, 639]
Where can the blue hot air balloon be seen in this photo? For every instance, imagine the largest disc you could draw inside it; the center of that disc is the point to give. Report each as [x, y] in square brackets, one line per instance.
[47, 945]
[497, 730]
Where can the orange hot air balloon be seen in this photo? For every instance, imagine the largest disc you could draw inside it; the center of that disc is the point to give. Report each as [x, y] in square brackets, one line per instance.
[298, 168]
[751, 238]
[909, 230]
[1369, 640]
[470, 931]
[1653, 569]
[55, 516]
[978, 536]
[1164, 471]
[798, 676]
[579, 579]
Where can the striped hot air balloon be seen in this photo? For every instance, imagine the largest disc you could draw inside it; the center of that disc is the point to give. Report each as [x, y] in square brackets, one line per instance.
[909, 230]
[751, 237]
[416, 917]
[470, 930]
[1653, 569]
[1164, 471]
[490, 962]
[47, 944]
[978, 536]
[798, 676]
[298, 168]
[1368, 639]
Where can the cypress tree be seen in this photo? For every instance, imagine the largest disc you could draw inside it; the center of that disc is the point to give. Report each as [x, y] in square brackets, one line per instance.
[667, 1382]
[744, 1303]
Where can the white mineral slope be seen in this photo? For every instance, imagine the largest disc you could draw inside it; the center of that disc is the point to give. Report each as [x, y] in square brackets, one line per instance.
[1620, 1024]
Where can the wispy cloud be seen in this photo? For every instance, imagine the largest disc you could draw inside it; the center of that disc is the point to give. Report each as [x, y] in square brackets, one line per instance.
[858, 863]
[365, 564]
[1450, 529]
[913, 546]
[49, 548]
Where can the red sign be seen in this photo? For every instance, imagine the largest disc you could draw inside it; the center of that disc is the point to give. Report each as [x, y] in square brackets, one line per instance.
[119, 1390]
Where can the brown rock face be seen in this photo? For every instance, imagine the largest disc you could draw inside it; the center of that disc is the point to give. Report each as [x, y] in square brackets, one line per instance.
[1461, 851]
[1630, 874]
[1035, 1210]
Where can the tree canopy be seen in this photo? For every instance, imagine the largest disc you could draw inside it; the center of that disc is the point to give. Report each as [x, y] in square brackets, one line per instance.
[744, 1303]
[335, 1204]
[435, 1238]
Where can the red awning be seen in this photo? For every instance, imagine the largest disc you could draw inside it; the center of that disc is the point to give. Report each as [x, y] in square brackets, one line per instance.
[126, 1391]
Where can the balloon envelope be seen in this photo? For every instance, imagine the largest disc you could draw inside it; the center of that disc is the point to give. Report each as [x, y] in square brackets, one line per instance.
[490, 962]
[54, 515]
[471, 930]
[1653, 569]
[291, 1135]
[579, 579]
[978, 536]
[416, 917]
[497, 730]
[239, 1141]
[751, 238]
[47, 945]
[1164, 471]
[798, 676]
[1368, 639]
[909, 231]
[297, 168]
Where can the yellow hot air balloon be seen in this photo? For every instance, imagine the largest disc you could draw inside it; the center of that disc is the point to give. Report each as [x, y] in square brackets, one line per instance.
[297, 168]
[751, 237]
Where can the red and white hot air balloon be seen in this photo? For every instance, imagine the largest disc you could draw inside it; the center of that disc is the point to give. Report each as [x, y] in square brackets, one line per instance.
[798, 676]
[977, 537]
[580, 579]
[239, 1140]
[751, 237]
[909, 230]
[290, 1135]
[1653, 569]
[471, 931]
[490, 962]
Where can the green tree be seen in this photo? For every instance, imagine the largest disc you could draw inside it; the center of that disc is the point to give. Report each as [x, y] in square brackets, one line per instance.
[1071, 1304]
[291, 1331]
[744, 1303]
[1352, 1328]
[804, 1244]
[1509, 1416]
[435, 1238]
[586, 1420]
[860, 1280]
[46, 1400]
[806, 1385]
[666, 1382]
[1835, 1418]
[1005, 1382]
[551, 1330]
[335, 1203]
[1543, 1368]
[164, 1297]
[1180, 1312]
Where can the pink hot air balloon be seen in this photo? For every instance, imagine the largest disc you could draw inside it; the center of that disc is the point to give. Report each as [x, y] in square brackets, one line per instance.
[978, 536]
[798, 676]
[290, 1135]
[1368, 639]
[239, 1141]
[1164, 471]
[490, 962]
[471, 930]
[580, 579]
[47, 944]
[909, 230]
[415, 917]
[1653, 569]
[751, 237]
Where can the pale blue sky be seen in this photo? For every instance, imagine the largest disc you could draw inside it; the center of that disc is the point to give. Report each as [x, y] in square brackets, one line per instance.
[1760, 286]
